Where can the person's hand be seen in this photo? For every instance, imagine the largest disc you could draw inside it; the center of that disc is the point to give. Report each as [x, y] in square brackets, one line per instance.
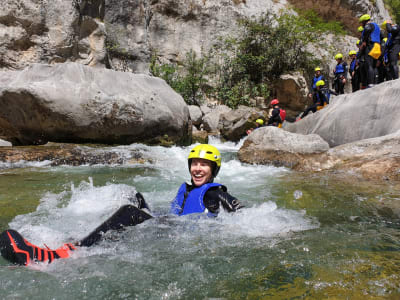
[344, 80]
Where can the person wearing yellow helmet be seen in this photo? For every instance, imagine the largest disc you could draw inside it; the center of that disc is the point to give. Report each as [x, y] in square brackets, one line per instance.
[258, 124]
[203, 195]
[340, 73]
[321, 99]
[370, 48]
[393, 48]
[354, 71]
[317, 76]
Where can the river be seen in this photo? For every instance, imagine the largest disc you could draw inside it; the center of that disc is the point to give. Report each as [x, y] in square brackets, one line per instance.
[300, 236]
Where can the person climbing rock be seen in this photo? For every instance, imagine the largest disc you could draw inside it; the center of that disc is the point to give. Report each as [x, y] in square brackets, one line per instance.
[320, 100]
[258, 124]
[202, 195]
[317, 77]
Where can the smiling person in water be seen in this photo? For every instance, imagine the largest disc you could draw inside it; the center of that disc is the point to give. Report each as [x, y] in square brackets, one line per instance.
[201, 196]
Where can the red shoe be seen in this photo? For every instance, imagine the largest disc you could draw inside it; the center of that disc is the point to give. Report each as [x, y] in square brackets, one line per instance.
[17, 250]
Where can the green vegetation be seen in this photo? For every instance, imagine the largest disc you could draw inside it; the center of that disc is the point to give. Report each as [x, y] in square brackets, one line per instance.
[320, 24]
[394, 8]
[243, 68]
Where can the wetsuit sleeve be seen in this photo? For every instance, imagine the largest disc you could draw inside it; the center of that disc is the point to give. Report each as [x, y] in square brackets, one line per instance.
[368, 29]
[217, 196]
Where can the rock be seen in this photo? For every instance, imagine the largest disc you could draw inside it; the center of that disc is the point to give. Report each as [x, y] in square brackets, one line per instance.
[352, 117]
[195, 114]
[375, 158]
[272, 145]
[211, 119]
[70, 154]
[292, 92]
[234, 124]
[4, 143]
[73, 103]
[199, 136]
[52, 31]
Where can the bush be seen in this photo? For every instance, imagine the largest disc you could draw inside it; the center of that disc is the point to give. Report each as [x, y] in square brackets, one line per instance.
[246, 67]
[188, 79]
[269, 47]
[394, 8]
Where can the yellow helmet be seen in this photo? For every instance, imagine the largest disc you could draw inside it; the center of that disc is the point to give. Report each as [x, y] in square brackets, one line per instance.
[358, 42]
[320, 83]
[364, 18]
[339, 56]
[385, 39]
[353, 52]
[383, 25]
[317, 69]
[360, 29]
[207, 152]
[260, 122]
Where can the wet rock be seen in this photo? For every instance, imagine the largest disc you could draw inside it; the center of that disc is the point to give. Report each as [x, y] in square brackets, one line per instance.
[272, 145]
[69, 154]
[73, 103]
[352, 117]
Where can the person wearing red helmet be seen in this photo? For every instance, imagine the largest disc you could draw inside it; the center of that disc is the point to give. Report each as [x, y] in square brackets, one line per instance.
[277, 115]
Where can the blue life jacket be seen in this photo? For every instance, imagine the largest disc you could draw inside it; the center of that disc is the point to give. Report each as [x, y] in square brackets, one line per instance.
[315, 79]
[376, 34]
[339, 69]
[192, 202]
[353, 65]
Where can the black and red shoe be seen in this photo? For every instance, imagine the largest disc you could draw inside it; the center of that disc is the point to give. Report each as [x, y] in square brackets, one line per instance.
[14, 248]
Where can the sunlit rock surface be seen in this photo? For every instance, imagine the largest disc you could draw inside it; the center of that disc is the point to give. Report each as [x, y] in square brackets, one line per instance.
[73, 103]
[272, 145]
[352, 117]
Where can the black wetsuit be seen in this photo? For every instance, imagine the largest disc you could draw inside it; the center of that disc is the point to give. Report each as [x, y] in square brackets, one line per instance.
[354, 71]
[17, 250]
[393, 49]
[339, 76]
[370, 62]
[275, 118]
[319, 100]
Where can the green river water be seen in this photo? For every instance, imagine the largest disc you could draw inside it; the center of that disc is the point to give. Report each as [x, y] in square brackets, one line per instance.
[301, 236]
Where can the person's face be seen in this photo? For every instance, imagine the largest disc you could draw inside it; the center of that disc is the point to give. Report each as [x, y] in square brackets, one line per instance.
[317, 73]
[353, 56]
[201, 171]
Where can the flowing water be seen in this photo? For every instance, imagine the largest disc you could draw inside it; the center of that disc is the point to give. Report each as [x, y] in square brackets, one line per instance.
[299, 237]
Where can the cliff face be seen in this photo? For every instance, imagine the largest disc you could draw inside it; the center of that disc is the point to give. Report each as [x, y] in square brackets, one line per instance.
[121, 34]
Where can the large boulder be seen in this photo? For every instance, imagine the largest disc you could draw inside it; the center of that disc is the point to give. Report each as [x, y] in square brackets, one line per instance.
[352, 117]
[292, 92]
[233, 124]
[36, 31]
[375, 158]
[195, 115]
[74, 103]
[272, 145]
[211, 119]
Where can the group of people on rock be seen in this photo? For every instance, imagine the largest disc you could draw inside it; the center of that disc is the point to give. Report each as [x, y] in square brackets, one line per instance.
[376, 59]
